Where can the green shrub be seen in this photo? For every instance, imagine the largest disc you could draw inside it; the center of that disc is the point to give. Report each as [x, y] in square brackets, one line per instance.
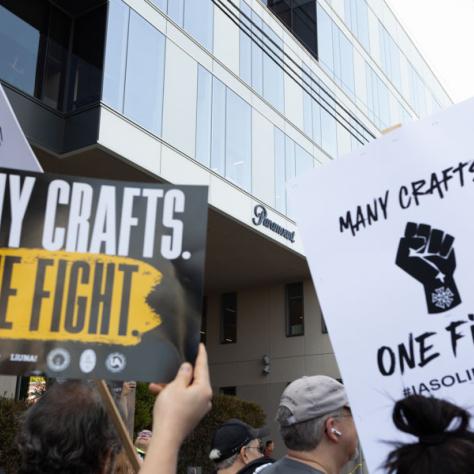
[10, 413]
[195, 450]
[144, 401]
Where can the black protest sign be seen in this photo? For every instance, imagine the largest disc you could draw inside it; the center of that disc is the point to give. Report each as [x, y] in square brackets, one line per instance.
[99, 279]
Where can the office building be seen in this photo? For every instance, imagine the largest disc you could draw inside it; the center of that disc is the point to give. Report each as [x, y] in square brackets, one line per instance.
[239, 95]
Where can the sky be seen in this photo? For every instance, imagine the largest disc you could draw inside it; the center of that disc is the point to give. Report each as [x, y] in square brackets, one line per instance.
[443, 31]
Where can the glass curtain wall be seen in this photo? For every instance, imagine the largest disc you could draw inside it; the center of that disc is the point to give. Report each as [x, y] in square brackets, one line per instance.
[195, 16]
[299, 16]
[224, 133]
[291, 160]
[52, 55]
[261, 56]
[134, 68]
[422, 89]
[335, 52]
[356, 16]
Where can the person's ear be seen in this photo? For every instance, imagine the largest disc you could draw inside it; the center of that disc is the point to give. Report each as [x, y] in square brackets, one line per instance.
[244, 455]
[332, 433]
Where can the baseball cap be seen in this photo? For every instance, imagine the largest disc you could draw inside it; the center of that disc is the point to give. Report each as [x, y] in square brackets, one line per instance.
[229, 438]
[312, 397]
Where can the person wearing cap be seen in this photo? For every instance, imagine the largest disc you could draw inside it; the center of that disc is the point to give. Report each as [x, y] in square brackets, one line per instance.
[316, 426]
[236, 448]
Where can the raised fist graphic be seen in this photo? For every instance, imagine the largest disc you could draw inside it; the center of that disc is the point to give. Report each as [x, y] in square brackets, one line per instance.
[428, 256]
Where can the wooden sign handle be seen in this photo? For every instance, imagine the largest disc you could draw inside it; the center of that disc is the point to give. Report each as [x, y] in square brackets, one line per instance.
[119, 424]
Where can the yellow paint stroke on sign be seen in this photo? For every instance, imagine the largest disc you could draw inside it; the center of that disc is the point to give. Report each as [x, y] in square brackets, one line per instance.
[66, 296]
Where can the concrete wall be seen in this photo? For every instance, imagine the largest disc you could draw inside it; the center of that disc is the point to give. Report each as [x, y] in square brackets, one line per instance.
[261, 330]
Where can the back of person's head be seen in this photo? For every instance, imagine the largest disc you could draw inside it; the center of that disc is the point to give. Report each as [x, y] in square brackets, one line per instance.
[445, 444]
[305, 406]
[67, 431]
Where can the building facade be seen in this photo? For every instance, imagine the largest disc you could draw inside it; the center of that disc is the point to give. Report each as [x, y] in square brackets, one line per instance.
[239, 95]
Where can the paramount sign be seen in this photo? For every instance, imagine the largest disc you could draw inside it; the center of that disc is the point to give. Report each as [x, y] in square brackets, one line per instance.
[261, 218]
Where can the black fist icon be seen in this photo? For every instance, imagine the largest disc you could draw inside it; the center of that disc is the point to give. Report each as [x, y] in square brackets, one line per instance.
[428, 256]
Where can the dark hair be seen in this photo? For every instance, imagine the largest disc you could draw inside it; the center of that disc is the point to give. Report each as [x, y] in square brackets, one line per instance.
[67, 431]
[445, 445]
[268, 443]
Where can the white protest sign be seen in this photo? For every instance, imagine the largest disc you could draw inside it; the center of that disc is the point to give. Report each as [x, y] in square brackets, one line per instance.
[15, 151]
[389, 235]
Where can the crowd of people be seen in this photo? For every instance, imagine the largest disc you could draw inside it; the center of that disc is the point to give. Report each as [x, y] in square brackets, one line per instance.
[69, 431]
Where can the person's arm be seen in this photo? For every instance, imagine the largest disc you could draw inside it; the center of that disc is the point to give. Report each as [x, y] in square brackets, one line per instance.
[178, 409]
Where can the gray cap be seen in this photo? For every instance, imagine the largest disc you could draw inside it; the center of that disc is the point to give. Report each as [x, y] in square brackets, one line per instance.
[312, 397]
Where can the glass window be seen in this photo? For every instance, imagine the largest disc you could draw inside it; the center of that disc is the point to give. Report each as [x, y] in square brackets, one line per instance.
[259, 69]
[199, 21]
[116, 55]
[299, 16]
[228, 332]
[56, 55]
[203, 122]
[336, 34]
[162, 4]
[304, 23]
[390, 56]
[282, 9]
[257, 54]
[145, 74]
[336, 53]
[347, 65]
[290, 166]
[384, 104]
[362, 23]
[290, 171]
[273, 79]
[417, 92]
[316, 114]
[20, 44]
[395, 67]
[325, 41]
[377, 99]
[328, 133]
[238, 141]
[87, 58]
[218, 127]
[245, 46]
[290, 160]
[356, 16]
[307, 101]
[371, 93]
[176, 11]
[294, 309]
[303, 160]
[280, 179]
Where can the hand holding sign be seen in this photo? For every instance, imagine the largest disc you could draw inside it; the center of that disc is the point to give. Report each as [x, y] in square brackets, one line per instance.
[178, 409]
[428, 256]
